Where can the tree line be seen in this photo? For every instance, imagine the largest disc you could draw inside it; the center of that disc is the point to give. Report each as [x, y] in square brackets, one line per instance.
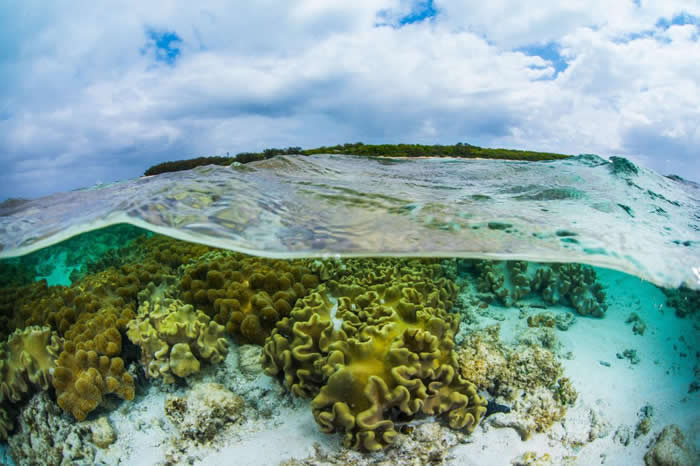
[460, 150]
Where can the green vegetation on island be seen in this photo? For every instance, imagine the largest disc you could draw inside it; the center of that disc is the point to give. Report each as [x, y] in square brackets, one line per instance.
[459, 150]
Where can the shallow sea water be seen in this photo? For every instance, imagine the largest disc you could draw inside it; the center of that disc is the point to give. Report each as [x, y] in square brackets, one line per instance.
[633, 356]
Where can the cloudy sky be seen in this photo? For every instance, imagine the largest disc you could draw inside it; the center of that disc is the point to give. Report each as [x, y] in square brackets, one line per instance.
[96, 92]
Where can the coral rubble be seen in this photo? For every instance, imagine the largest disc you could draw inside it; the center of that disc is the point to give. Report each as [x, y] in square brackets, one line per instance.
[45, 437]
[526, 376]
[204, 412]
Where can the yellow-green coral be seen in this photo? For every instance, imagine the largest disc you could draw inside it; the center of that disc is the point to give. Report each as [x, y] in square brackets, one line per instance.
[174, 338]
[246, 294]
[376, 343]
[89, 366]
[27, 358]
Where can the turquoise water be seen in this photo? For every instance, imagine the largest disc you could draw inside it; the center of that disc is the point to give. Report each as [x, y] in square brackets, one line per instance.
[620, 244]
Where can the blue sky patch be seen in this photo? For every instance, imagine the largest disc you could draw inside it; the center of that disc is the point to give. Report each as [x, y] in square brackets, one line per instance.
[549, 52]
[678, 20]
[662, 24]
[423, 11]
[166, 45]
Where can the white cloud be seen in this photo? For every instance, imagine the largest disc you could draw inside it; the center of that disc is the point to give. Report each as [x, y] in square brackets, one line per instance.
[83, 93]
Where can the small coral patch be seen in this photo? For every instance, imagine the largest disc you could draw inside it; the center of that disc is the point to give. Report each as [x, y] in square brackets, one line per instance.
[248, 295]
[89, 366]
[174, 338]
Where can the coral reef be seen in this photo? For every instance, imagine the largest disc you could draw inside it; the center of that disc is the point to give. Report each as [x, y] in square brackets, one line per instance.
[646, 414]
[12, 300]
[503, 371]
[528, 376]
[543, 319]
[14, 273]
[638, 325]
[572, 285]
[508, 281]
[623, 435]
[671, 449]
[246, 294]
[530, 458]
[27, 359]
[175, 338]
[565, 393]
[45, 437]
[536, 411]
[684, 300]
[89, 366]
[564, 321]
[630, 355]
[373, 344]
[114, 288]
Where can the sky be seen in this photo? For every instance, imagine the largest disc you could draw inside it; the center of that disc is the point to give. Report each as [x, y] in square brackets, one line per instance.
[95, 92]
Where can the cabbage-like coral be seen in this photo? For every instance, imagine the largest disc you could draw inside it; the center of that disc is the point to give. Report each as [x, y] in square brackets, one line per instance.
[246, 294]
[174, 338]
[89, 366]
[27, 358]
[509, 283]
[61, 306]
[12, 300]
[573, 285]
[168, 251]
[685, 301]
[373, 345]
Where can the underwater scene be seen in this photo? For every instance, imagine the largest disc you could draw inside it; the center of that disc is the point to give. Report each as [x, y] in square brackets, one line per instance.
[334, 309]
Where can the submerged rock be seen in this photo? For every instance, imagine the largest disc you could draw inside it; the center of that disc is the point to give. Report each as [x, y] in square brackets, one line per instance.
[102, 433]
[204, 412]
[671, 449]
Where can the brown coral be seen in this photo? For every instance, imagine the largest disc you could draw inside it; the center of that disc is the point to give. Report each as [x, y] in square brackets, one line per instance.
[246, 294]
[89, 366]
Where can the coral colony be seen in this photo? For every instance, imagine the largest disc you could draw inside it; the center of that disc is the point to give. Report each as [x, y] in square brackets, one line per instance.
[370, 341]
